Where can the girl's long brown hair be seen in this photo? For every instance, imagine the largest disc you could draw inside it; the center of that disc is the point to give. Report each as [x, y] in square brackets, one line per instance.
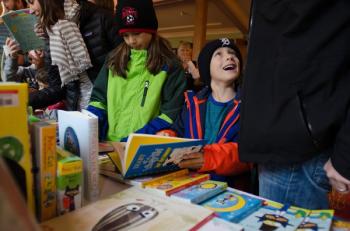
[159, 54]
[51, 11]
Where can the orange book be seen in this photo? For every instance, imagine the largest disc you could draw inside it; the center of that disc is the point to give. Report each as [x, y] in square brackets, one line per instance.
[175, 183]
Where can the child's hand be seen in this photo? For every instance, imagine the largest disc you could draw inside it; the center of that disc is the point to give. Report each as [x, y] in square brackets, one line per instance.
[119, 147]
[162, 133]
[192, 161]
[13, 48]
[193, 70]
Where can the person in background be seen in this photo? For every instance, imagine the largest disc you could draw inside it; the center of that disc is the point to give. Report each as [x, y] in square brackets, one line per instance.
[106, 4]
[8, 5]
[72, 70]
[213, 114]
[184, 52]
[17, 73]
[140, 88]
[295, 117]
[14, 4]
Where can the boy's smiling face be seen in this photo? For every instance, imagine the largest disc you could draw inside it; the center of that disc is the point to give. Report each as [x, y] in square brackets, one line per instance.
[224, 65]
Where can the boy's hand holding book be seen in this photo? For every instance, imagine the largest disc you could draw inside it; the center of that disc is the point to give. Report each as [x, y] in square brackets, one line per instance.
[192, 161]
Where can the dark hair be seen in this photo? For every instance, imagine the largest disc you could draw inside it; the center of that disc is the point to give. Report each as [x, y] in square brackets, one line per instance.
[186, 44]
[41, 76]
[159, 54]
[51, 12]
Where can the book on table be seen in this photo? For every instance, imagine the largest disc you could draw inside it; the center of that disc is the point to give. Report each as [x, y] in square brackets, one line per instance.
[200, 192]
[20, 24]
[233, 205]
[145, 154]
[78, 134]
[14, 137]
[175, 182]
[131, 209]
[275, 216]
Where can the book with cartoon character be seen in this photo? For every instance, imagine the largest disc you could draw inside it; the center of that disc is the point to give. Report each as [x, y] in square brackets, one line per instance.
[317, 220]
[275, 216]
[200, 192]
[131, 209]
[21, 23]
[69, 181]
[149, 154]
[14, 137]
[233, 205]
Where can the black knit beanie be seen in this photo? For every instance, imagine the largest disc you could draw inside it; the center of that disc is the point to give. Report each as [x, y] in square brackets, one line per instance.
[136, 16]
[206, 54]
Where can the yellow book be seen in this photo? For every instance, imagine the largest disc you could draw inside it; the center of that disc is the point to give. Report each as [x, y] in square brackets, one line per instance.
[14, 136]
[43, 137]
[149, 154]
[170, 184]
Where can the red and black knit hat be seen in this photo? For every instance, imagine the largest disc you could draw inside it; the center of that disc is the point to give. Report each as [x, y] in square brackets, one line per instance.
[136, 16]
[207, 52]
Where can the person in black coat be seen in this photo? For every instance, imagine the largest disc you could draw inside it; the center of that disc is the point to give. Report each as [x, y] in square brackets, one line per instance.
[295, 117]
[98, 30]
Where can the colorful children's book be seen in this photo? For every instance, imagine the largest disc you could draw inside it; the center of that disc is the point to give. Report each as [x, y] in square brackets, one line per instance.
[148, 154]
[78, 132]
[176, 182]
[215, 223]
[131, 209]
[275, 216]
[200, 192]
[232, 205]
[69, 181]
[14, 136]
[317, 220]
[21, 23]
[43, 136]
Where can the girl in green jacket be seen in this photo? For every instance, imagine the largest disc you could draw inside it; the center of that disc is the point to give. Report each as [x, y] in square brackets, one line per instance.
[140, 88]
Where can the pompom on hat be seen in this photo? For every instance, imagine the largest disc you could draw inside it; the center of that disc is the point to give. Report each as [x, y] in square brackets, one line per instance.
[207, 52]
[136, 16]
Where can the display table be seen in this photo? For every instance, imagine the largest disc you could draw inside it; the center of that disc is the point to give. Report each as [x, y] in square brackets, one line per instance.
[109, 186]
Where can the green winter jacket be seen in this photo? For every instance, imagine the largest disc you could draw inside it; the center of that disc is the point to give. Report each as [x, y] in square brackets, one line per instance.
[141, 102]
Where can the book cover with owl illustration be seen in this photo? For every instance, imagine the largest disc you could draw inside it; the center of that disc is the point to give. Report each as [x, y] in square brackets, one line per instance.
[131, 209]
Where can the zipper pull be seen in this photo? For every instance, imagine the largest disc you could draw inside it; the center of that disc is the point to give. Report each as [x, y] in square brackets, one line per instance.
[145, 89]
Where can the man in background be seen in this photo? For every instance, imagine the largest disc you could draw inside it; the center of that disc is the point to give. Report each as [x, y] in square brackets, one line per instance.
[295, 116]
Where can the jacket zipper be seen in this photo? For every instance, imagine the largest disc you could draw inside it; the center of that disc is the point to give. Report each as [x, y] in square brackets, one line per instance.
[145, 89]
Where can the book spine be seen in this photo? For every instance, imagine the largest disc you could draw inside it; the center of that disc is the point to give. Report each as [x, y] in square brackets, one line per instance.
[186, 185]
[46, 143]
[91, 164]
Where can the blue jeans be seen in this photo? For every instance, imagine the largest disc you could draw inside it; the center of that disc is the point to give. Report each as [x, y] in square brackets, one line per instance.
[304, 185]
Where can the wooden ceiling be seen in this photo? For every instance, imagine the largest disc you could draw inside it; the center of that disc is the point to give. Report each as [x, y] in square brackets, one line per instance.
[225, 18]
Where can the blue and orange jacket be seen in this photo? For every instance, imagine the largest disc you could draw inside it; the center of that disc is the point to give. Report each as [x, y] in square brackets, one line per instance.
[220, 157]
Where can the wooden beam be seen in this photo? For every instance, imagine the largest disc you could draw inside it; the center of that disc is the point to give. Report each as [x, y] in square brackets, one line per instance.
[234, 10]
[200, 27]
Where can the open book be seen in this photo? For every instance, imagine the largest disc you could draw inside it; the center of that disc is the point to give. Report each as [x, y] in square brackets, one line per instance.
[21, 23]
[148, 154]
